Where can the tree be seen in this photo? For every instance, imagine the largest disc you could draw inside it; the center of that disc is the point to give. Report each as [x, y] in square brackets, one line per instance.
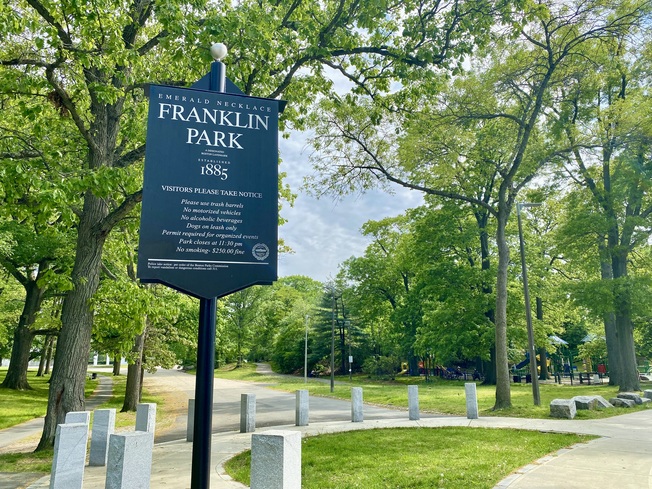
[37, 262]
[91, 64]
[288, 311]
[241, 317]
[136, 321]
[498, 109]
[37, 236]
[602, 121]
[387, 275]
[452, 260]
[11, 305]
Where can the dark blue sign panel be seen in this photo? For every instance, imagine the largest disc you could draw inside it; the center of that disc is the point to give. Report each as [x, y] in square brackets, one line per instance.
[209, 222]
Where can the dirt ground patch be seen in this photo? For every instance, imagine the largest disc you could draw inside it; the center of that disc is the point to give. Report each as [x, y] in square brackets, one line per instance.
[173, 391]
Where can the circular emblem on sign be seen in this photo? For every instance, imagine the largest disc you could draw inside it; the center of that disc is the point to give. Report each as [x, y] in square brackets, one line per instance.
[260, 251]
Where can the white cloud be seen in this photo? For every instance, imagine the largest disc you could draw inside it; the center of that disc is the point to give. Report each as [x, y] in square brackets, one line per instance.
[324, 232]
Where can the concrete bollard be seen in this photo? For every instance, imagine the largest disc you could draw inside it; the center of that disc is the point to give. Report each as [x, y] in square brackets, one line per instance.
[302, 408]
[190, 427]
[471, 400]
[129, 465]
[413, 402]
[357, 415]
[78, 417]
[103, 427]
[146, 417]
[276, 460]
[247, 413]
[69, 456]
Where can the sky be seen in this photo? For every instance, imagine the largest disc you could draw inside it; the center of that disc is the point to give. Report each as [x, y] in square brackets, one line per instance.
[325, 232]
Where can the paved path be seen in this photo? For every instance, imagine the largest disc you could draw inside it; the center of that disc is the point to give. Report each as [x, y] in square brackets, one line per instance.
[621, 457]
[273, 407]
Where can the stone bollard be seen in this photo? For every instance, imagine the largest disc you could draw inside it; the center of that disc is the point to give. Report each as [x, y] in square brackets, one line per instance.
[276, 460]
[302, 408]
[357, 415]
[413, 402]
[146, 417]
[78, 417]
[103, 426]
[69, 456]
[471, 400]
[247, 413]
[130, 460]
[190, 427]
[563, 408]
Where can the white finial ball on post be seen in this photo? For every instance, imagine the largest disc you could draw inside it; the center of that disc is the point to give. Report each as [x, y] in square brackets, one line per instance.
[218, 51]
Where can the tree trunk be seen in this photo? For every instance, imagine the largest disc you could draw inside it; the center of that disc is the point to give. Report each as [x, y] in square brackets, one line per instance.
[142, 380]
[132, 390]
[238, 346]
[489, 368]
[629, 377]
[17, 372]
[71, 358]
[44, 355]
[629, 380]
[609, 319]
[613, 348]
[116, 365]
[543, 354]
[503, 388]
[48, 359]
[413, 364]
[53, 341]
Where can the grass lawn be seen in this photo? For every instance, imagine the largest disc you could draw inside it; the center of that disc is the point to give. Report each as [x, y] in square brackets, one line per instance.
[25, 405]
[19, 406]
[439, 396]
[427, 458]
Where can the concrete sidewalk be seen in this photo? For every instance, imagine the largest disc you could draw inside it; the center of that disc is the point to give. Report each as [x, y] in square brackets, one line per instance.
[621, 458]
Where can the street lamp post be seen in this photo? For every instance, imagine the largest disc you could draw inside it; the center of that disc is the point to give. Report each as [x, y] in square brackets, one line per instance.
[333, 347]
[305, 354]
[348, 328]
[528, 312]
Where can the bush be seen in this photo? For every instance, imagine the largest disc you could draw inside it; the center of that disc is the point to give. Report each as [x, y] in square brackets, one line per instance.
[384, 368]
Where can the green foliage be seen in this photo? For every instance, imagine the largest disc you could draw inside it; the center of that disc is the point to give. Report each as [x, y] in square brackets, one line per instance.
[12, 297]
[595, 349]
[381, 368]
[289, 310]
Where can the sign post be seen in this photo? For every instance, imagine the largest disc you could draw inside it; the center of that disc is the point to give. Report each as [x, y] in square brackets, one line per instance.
[209, 220]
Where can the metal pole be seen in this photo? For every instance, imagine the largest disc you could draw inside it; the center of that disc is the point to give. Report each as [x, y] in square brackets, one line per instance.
[201, 445]
[333, 346]
[528, 313]
[305, 355]
[348, 324]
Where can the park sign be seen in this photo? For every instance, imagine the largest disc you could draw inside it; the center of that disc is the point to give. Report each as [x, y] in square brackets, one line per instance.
[209, 221]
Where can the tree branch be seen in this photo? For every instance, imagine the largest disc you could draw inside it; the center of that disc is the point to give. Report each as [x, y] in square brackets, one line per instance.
[105, 226]
[131, 157]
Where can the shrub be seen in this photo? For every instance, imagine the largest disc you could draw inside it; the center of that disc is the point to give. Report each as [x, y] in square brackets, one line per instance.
[379, 367]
